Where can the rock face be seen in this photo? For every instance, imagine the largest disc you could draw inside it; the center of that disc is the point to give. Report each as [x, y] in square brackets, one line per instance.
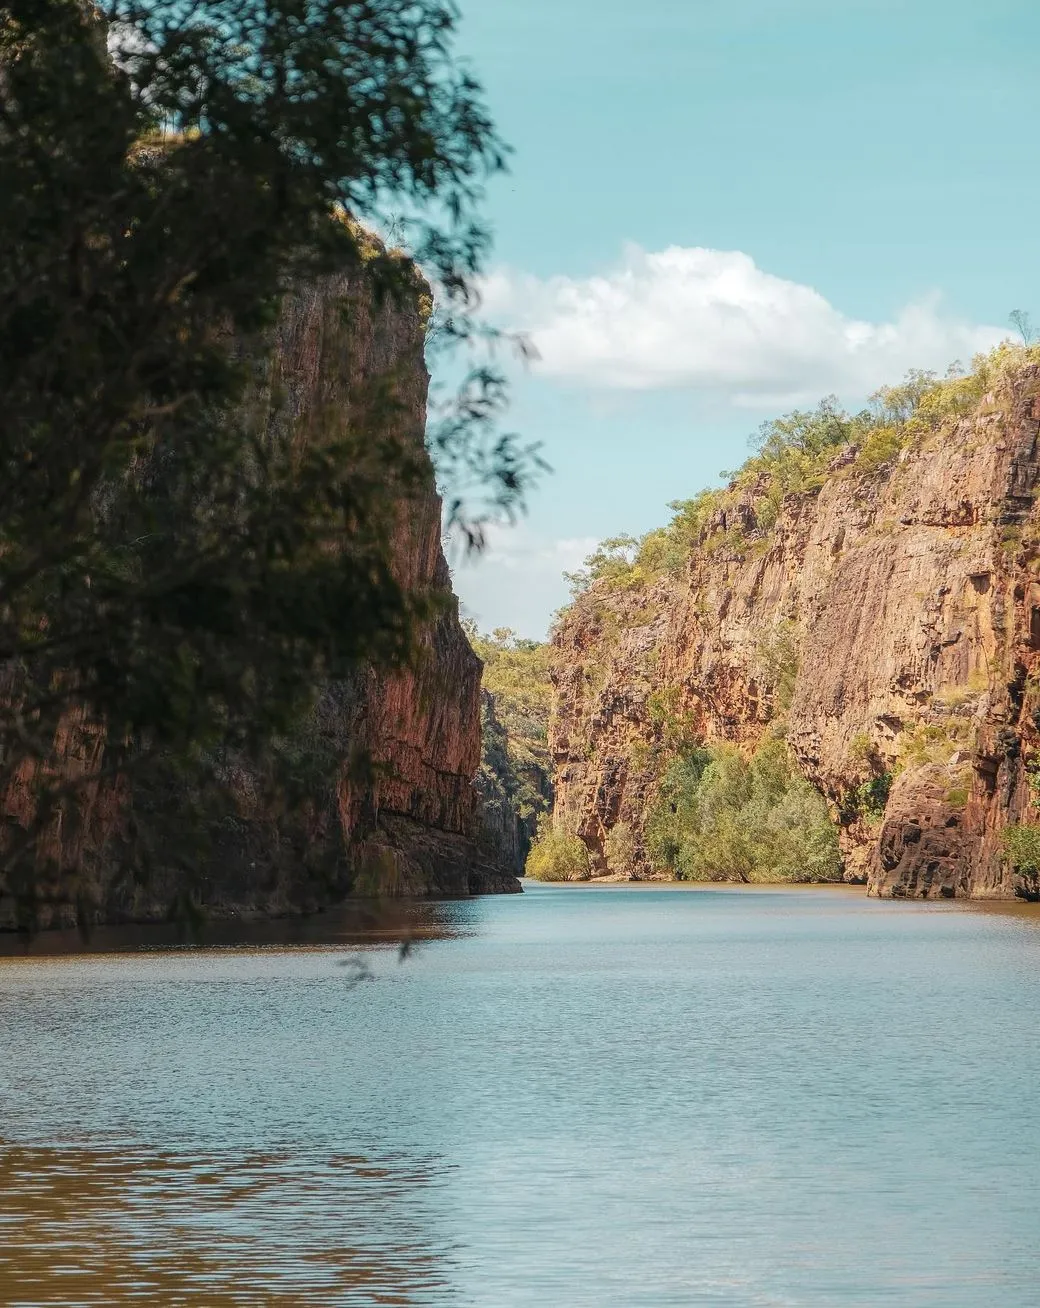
[407, 822]
[514, 788]
[892, 616]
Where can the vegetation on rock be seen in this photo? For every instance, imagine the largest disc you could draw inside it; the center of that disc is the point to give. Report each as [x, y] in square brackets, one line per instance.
[619, 848]
[557, 855]
[1021, 846]
[516, 672]
[795, 454]
[515, 768]
[723, 817]
[774, 603]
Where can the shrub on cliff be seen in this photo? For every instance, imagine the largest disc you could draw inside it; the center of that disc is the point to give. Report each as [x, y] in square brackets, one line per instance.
[721, 817]
[619, 848]
[557, 855]
[1021, 845]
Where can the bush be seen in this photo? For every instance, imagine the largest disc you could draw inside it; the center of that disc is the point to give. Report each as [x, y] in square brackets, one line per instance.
[1022, 848]
[619, 847]
[557, 856]
[868, 800]
[721, 817]
[611, 565]
[935, 742]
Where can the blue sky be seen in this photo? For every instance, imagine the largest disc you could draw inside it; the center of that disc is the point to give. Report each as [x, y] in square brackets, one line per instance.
[718, 209]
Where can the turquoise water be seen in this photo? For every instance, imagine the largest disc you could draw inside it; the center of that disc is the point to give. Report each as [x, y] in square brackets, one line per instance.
[578, 1096]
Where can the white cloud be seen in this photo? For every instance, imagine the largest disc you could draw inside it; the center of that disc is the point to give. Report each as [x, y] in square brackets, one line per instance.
[711, 319]
[517, 579]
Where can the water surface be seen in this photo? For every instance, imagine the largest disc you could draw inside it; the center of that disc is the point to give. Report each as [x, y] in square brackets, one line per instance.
[579, 1096]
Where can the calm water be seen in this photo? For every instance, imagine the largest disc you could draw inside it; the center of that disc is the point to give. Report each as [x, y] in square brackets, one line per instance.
[578, 1096]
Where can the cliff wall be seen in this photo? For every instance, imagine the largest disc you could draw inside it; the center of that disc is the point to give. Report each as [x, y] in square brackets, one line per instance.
[388, 761]
[514, 786]
[889, 617]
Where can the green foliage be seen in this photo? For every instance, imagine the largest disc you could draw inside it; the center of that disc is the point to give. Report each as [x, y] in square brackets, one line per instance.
[619, 847]
[516, 672]
[793, 452]
[183, 558]
[793, 455]
[557, 855]
[861, 747]
[515, 765]
[778, 658]
[934, 742]
[721, 817]
[868, 800]
[611, 565]
[676, 727]
[497, 781]
[1021, 845]
[690, 521]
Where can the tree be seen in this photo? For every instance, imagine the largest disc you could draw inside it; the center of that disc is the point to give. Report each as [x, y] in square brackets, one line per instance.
[177, 572]
[1023, 324]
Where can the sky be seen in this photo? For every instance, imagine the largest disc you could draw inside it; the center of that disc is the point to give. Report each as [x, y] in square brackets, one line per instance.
[719, 210]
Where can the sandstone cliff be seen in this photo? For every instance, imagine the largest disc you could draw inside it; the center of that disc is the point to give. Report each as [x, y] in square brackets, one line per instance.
[890, 616]
[387, 764]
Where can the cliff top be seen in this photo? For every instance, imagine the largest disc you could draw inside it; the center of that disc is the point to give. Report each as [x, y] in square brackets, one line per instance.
[798, 454]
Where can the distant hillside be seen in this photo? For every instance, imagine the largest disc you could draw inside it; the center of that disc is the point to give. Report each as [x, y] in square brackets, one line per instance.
[514, 776]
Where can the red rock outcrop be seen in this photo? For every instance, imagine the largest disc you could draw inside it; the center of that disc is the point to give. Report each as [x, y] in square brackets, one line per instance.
[406, 823]
[892, 615]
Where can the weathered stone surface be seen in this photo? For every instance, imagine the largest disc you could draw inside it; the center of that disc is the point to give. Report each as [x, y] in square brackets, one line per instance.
[910, 595]
[410, 826]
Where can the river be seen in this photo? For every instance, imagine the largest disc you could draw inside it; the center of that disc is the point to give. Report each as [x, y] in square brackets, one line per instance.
[579, 1096]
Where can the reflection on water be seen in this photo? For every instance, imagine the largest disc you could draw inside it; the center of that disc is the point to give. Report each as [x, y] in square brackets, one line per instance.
[584, 1098]
[389, 921]
[80, 1226]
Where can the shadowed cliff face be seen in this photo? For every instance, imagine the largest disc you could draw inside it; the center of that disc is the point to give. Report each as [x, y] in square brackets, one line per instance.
[410, 824]
[891, 617]
[389, 758]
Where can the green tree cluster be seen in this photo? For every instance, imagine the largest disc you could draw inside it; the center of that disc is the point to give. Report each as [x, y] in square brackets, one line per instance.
[1021, 845]
[557, 855]
[516, 672]
[619, 848]
[723, 817]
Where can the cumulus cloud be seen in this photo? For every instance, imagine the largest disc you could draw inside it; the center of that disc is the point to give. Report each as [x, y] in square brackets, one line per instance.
[517, 579]
[688, 317]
